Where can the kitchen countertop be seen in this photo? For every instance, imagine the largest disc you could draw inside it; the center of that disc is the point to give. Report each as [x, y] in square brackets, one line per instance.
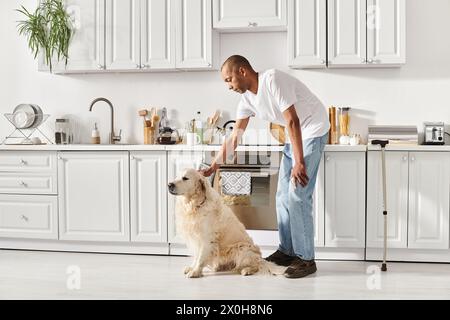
[201, 148]
[346, 148]
[180, 147]
[394, 147]
[130, 147]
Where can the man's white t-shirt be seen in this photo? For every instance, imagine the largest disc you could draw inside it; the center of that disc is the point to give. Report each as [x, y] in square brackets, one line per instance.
[277, 91]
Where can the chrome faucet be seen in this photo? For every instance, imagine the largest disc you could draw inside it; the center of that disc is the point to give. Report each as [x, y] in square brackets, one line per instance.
[112, 137]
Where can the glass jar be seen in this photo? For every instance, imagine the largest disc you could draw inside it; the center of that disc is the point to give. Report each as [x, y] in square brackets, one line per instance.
[62, 131]
[344, 121]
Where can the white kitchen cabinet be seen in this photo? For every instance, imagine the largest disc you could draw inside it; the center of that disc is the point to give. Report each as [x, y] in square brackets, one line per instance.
[249, 15]
[346, 32]
[197, 44]
[158, 37]
[397, 199]
[140, 35]
[25, 172]
[29, 216]
[177, 163]
[345, 180]
[122, 39]
[386, 32]
[429, 197]
[319, 207]
[94, 196]
[307, 35]
[359, 33]
[27, 183]
[148, 196]
[87, 47]
[28, 161]
[28, 189]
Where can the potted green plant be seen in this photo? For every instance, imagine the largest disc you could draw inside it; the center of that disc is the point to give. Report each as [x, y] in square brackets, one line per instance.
[48, 30]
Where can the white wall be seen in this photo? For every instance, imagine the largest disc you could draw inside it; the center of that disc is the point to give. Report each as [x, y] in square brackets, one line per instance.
[417, 92]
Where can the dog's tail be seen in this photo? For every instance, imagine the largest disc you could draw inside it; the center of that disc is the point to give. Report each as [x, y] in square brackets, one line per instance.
[266, 267]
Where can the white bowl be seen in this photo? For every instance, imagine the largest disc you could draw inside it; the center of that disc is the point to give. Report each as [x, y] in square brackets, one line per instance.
[23, 119]
[24, 115]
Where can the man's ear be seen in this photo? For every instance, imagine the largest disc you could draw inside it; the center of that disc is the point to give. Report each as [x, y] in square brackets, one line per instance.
[242, 71]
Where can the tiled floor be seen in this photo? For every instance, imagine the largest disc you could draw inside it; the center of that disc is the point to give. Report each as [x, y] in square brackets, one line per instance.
[51, 275]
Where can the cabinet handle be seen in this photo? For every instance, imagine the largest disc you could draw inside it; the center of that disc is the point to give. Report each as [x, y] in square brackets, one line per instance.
[252, 24]
[328, 158]
[23, 184]
[364, 61]
[23, 162]
[146, 66]
[209, 65]
[370, 61]
[133, 158]
[101, 67]
[323, 62]
[24, 217]
[60, 158]
[413, 159]
[404, 158]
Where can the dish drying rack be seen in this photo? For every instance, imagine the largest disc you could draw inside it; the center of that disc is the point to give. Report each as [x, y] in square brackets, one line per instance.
[23, 135]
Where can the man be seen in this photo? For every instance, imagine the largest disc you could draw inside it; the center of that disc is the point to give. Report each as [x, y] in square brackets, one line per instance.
[282, 99]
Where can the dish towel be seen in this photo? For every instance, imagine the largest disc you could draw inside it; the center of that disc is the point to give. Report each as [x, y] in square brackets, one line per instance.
[236, 183]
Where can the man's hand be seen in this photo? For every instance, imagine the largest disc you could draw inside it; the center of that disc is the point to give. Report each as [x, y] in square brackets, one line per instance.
[209, 171]
[299, 176]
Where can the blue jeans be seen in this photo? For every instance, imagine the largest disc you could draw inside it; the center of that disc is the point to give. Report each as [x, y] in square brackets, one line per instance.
[294, 204]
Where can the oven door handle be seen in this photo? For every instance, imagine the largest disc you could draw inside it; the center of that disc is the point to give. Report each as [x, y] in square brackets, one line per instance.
[253, 173]
[259, 174]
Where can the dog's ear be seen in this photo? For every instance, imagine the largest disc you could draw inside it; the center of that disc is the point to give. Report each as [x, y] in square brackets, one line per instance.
[203, 185]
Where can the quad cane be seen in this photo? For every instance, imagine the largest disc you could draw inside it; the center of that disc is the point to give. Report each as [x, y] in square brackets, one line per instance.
[383, 144]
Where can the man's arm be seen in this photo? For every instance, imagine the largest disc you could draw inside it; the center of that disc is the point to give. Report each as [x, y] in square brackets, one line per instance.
[295, 133]
[228, 147]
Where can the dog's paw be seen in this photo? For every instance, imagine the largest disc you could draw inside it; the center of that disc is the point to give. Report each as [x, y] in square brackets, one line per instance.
[187, 269]
[248, 271]
[218, 268]
[194, 274]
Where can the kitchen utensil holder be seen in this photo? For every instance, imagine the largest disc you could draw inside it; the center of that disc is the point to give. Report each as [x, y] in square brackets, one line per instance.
[24, 134]
[149, 135]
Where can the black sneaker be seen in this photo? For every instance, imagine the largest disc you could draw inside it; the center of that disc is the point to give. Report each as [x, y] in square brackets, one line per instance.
[280, 259]
[300, 268]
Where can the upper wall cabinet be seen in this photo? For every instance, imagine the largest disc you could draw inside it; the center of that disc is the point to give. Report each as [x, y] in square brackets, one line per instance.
[87, 48]
[307, 35]
[122, 42]
[386, 32]
[140, 35]
[249, 15]
[347, 32]
[359, 33]
[158, 44]
[197, 44]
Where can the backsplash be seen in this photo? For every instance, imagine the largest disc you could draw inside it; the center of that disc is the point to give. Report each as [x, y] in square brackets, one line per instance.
[409, 95]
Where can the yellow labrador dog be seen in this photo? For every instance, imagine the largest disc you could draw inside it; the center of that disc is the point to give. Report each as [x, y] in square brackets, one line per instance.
[212, 232]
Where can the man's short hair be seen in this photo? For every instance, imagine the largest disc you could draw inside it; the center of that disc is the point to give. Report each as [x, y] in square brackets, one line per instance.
[236, 61]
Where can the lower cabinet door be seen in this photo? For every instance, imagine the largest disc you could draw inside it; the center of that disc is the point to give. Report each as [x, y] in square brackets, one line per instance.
[345, 201]
[29, 216]
[429, 197]
[319, 207]
[148, 190]
[94, 196]
[397, 199]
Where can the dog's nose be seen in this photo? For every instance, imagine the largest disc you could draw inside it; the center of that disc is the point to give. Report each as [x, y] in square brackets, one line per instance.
[171, 186]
